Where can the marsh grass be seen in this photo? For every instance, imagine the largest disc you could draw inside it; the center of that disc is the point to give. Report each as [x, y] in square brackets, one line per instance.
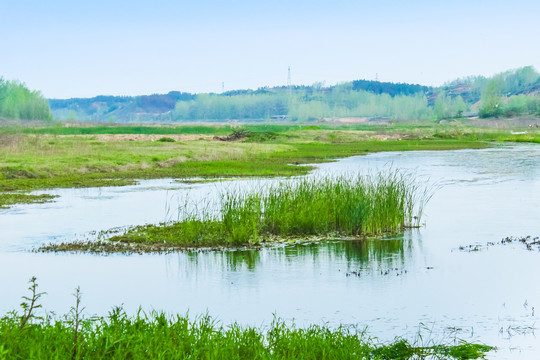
[56, 157]
[355, 206]
[156, 335]
[9, 199]
[40, 161]
[88, 129]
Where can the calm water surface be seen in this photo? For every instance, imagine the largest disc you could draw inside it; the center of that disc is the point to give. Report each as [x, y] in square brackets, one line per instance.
[391, 285]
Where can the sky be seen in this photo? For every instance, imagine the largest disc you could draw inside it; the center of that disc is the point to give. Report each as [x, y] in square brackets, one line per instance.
[69, 48]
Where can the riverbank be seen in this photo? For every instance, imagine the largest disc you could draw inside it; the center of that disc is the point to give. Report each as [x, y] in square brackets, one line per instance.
[62, 157]
[38, 158]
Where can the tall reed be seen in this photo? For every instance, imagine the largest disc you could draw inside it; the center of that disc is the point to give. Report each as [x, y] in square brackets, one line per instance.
[347, 205]
[159, 336]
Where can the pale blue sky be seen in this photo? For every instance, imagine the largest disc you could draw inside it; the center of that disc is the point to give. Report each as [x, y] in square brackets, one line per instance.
[68, 48]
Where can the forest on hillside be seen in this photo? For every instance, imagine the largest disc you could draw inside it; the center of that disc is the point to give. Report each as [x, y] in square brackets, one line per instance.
[509, 93]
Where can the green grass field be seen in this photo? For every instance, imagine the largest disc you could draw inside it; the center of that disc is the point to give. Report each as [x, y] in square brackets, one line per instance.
[33, 158]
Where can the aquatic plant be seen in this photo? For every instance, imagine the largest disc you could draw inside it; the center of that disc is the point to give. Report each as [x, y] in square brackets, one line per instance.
[9, 199]
[30, 304]
[357, 205]
[156, 335]
[530, 243]
[330, 206]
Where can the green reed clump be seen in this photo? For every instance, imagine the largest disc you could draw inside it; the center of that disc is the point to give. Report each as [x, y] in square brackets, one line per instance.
[241, 216]
[158, 336]
[347, 206]
[357, 205]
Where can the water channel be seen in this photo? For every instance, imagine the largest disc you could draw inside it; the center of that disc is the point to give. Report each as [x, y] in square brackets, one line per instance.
[418, 279]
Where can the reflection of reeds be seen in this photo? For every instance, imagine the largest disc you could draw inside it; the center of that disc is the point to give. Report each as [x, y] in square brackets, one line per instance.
[351, 206]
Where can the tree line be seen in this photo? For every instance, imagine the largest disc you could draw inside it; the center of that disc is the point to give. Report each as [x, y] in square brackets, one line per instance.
[303, 103]
[18, 102]
[392, 89]
[510, 93]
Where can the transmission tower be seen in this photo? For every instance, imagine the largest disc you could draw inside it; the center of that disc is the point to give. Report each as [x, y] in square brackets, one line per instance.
[289, 79]
[222, 87]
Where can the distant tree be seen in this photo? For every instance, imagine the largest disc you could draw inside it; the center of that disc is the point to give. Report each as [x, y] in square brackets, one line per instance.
[515, 81]
[522, 104]
[490, 101]
[72, 116]
[18, 102]
[441, 107]
[447, 107]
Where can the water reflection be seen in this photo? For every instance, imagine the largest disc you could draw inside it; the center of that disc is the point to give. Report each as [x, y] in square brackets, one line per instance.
[368, 255]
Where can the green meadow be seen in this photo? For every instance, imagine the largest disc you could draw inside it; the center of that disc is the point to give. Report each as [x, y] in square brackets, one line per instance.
[50, 157]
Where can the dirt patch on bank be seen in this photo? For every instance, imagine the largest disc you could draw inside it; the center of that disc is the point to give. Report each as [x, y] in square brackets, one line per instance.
[352, 120]
[388, 136]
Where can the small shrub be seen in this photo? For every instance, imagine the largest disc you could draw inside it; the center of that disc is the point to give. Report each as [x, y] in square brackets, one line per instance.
[166, 139]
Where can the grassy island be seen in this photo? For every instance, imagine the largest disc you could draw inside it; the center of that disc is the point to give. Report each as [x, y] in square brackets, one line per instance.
[341, 206]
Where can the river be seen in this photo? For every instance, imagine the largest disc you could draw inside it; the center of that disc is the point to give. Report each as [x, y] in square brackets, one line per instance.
[417, 281]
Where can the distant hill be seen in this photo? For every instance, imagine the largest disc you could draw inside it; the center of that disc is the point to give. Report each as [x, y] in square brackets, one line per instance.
[159, 108]
[145, 108]
[522, 81]
[509, 93]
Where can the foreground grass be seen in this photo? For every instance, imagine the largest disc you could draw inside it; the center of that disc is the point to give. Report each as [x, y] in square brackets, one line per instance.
[159, 336]
[342, 206]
